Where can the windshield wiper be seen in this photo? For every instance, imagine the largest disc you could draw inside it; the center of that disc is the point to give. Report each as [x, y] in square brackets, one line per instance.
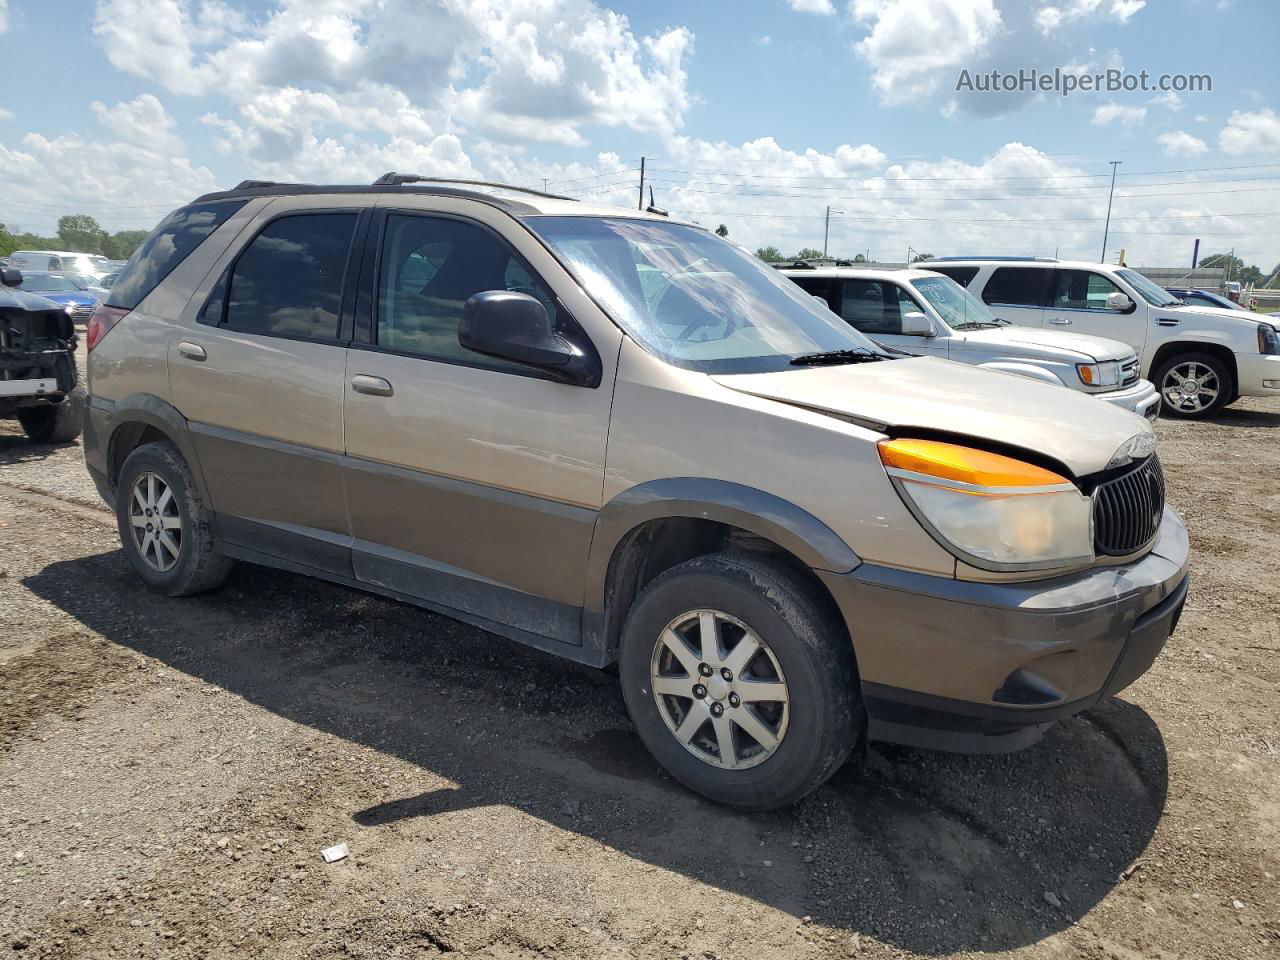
[979, 325]
[834, 357]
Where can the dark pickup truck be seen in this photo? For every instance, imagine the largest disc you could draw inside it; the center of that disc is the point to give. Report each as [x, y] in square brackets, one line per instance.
[38, 380]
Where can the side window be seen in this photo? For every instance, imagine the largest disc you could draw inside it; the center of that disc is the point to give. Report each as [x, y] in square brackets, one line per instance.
[1081, 290]
[871, 306]
[819, 287]
[961, 275]
[288, 281]
[906, 304]
[1018, 286]
[430, 267]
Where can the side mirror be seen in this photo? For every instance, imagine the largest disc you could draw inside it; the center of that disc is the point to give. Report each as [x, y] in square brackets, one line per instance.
[10, 276]
[916, 324]
[516, 327]
[1119, 302]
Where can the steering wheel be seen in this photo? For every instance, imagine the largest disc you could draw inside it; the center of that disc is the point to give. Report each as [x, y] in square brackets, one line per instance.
[730, 327]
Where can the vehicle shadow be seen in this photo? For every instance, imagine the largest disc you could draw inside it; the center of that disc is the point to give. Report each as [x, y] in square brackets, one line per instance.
[15, 448]
[1250, 417]
[930, 852]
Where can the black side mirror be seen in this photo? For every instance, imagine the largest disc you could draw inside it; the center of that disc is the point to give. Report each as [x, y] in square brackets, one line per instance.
[515, 326]
[10, 276]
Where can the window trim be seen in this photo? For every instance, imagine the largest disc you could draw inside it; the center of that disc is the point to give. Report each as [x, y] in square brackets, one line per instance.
[366, 318]
[1098, 310]
[350, 279]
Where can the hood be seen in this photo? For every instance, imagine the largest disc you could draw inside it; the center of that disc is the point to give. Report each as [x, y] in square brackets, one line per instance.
[1229, 314]
[76, 298]
[927, 394]
[1048, 344]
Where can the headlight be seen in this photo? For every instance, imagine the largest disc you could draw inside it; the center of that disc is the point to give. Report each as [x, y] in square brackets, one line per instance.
[1099, 374]
[1268, 339]
[991, 511]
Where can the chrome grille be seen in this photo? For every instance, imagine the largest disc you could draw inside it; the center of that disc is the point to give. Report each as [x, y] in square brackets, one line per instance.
[1129, 372]
[1127, 509]
[81, 313]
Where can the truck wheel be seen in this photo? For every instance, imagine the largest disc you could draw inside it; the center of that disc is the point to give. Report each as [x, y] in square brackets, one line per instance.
[739, 681]
[55, 423]
[165, 525]
[1193, 385]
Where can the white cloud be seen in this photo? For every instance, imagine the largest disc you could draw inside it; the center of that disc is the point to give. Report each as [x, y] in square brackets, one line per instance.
[824, 7]
[5, 114]
[912, 41]
[4, 15]
[1181, 144]
[1169, 99]
[764, 41]
[1110, 113]
[1251, 132]
[1050, 18]
[142, 122]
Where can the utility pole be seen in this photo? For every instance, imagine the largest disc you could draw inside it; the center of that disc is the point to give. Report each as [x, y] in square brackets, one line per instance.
[1107, 229]
[640, 205]
[826, 230]
[544, 184]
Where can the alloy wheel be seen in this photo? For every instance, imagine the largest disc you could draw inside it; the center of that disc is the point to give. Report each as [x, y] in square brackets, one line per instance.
[155, 522]
[720, 689]
[1190, 387]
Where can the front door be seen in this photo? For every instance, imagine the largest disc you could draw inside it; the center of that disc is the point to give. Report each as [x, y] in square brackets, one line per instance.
[875, 307]
[472, 482]
[1078, 304]
[259, 374]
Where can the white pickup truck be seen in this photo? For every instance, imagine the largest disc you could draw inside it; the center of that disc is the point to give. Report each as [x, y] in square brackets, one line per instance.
[926, 314]
[1199, 358]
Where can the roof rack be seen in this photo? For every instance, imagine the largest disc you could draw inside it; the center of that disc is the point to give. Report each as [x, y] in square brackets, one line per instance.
[1002, 259]
[393, 179]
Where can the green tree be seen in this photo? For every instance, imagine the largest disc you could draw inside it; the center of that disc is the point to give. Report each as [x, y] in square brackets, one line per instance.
[770, 254]
[1236, 269]
[81, 233]
[808, 253]
[722, 231]
[921, 256]
[120, 245]
[859, 259]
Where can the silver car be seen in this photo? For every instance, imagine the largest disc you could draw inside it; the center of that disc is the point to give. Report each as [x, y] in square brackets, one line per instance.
[927, 314]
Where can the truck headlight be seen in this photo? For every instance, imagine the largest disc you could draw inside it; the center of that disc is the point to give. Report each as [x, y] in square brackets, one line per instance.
[991, 511]
[1105, 374]
[1268, 339]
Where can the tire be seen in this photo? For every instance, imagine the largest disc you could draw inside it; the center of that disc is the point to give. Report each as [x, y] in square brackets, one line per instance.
[1210, 373]
[803, 644]
[55, 422]
[176, 566]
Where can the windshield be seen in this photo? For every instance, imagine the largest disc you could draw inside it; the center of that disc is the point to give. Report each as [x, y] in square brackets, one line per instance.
[1149, 290]
[693, 299]
[47, 283]
[959, 308]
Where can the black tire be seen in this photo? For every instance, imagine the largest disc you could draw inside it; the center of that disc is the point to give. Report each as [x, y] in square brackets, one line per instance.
[811, 648]
[55, 422]
[1221, 378]
[197, 567]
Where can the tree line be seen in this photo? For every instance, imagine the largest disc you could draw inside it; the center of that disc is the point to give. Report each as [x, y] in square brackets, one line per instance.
[79, 233]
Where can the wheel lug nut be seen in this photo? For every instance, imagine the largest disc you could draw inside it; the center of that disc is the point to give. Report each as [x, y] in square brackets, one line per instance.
[699, 691]
[717, 709]
[734, 700]
[728, 676]
[704, 669]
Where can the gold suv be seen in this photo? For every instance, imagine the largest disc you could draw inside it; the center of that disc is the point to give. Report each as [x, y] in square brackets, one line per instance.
[619, 438]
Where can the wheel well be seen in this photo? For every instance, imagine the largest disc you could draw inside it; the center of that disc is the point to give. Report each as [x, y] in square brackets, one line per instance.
[656, 546]
[127, 438]
[1215, 350]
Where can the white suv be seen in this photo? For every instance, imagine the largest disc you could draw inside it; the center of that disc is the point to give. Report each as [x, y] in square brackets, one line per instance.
[1199, 358]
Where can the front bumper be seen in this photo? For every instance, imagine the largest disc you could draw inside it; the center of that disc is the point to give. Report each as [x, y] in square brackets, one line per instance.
[1259, 375]
[1142, 398]
[987, 667]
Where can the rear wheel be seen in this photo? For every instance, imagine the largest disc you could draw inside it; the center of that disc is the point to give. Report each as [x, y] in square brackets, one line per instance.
[55, 422]
[740, 681]
[1194, 385]
[165, 525]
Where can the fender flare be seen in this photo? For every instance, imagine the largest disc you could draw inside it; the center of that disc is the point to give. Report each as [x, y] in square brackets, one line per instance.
[1024, 369]
[151, 411]
[764, 514]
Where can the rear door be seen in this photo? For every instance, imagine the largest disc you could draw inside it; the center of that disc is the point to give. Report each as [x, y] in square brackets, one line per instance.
[1018, 294]
[472, 482]
[1078, 303]
[259, 373]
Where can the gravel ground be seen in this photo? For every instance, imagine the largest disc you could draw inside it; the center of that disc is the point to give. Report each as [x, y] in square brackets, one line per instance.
[171, 769]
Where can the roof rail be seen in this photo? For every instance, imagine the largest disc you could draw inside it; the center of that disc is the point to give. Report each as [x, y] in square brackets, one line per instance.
[393, 179]
[1002, 259]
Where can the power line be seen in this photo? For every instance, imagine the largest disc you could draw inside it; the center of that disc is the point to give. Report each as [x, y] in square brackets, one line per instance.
[967, 179]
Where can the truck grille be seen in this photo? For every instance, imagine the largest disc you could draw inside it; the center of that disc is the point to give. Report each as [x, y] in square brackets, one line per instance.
[1129, 372]
[1127, 510]
[81, 314]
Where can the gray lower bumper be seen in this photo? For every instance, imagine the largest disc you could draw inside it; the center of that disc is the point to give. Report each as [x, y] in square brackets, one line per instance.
[984, 667]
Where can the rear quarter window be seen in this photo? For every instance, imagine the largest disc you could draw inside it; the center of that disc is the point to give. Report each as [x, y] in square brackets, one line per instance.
[1018, 286]
[167, 246]
[961, 275]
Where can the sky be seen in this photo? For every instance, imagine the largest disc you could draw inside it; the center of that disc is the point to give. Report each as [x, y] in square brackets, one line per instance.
[758, 114]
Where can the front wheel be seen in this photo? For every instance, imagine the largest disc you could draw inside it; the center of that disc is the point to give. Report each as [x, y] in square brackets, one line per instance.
[55, 422]
[1194, 385]
[740, 681]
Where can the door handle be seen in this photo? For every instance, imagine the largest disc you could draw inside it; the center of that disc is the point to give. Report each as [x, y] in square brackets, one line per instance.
[1060, 321]
[373, 386]
[192, 351]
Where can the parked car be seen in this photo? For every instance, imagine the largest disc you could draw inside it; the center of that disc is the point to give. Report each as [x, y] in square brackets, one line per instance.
[787, 538]
[1204, 298]
[99, 288]
[927, 314]
[37, 364]
[1199, 358]
[60, 261]
[62, 290]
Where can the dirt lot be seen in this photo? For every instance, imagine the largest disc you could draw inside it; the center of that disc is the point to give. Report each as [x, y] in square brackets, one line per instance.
[170, 770]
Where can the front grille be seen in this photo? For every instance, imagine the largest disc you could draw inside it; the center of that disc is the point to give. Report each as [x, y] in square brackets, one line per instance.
[1129, 372]
[1127, 509]
[82, 313]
